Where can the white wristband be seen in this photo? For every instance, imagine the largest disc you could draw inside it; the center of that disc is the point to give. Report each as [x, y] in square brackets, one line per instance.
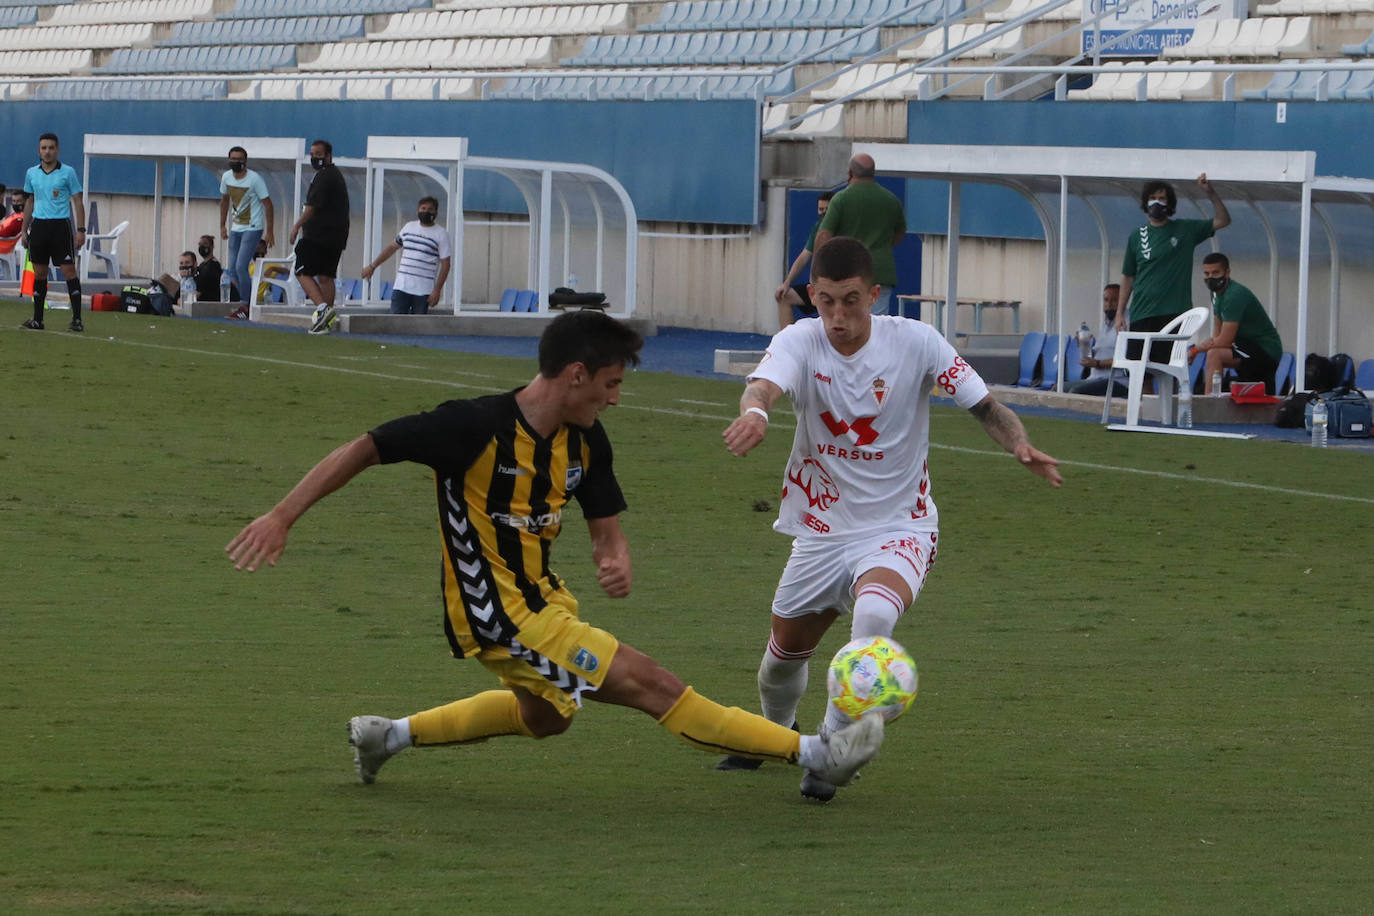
[758, 410]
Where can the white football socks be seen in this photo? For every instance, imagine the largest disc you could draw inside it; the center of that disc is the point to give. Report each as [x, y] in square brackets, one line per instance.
[398, 735]
[782, 681]
[876, 609]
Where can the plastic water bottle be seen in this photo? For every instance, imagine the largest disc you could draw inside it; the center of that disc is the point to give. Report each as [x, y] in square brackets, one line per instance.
[1185, 405]
[224, 286]
[1319, 423]
[1216, 384]
[572, 280]
[188, 291]
[1085, 341]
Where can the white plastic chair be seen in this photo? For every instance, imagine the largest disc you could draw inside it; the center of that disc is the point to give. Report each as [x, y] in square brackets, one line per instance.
[292, 294]
[1179, 332]
[110, 258]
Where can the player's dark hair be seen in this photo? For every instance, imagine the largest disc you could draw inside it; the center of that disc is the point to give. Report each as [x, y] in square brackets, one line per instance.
[328, 147]
[590, 337]
[1217, 257]
[49, 136]
[186, 254]
[842, 258]
[1115, 286]
[1150, 188]
[238, 149]
[826, 195]
[429, 200]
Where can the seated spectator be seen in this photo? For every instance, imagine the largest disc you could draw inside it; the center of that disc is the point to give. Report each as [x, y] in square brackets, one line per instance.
[1104, 347]
[1244, 339]
[186, 267]
[208, 272]
[12, 226]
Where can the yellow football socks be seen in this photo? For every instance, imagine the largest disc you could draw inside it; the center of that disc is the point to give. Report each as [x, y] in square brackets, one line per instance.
[708, 726]
[487, 715]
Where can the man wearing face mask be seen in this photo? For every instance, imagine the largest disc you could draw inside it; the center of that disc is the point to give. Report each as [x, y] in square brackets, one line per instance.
[1099, 363]
[323, 231]
[1157, 273]
[245, 216]
[1244, 339]
[424, 264]
[208, 271]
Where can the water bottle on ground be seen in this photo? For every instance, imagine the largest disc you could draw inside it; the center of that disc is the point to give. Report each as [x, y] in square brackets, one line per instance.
[224, 286]
[1185, 405]
[188, 291]
[1319, 423]
[1216, 384]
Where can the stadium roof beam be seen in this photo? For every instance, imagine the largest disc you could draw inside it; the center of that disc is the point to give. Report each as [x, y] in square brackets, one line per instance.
[1261, 178]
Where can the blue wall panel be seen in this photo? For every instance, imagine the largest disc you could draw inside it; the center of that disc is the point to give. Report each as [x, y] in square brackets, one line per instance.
[687, 161]
[1341, 133]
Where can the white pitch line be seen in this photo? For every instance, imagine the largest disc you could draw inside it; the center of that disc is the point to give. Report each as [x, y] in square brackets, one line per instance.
[781, 424]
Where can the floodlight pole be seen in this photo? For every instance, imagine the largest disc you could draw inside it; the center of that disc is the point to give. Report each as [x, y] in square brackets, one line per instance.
[1304, 253]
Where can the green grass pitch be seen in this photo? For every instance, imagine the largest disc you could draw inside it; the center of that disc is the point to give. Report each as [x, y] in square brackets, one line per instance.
[1148, 692]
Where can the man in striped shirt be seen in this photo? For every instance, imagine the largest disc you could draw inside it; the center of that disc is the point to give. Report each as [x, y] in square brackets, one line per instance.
[424, 264]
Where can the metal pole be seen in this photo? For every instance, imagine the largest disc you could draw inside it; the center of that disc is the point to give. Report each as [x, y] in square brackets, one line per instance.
[952, 261]
[1304, 253]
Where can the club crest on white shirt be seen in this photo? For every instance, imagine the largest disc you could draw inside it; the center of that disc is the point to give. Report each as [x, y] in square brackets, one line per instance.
[879, 391]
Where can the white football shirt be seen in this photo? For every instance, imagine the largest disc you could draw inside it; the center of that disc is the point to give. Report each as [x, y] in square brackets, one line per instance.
[858, 459]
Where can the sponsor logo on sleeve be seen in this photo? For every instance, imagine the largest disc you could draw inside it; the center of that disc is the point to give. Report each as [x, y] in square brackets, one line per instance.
[955, 375]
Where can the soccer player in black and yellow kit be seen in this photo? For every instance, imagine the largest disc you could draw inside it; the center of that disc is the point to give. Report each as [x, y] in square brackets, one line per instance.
[505, 467]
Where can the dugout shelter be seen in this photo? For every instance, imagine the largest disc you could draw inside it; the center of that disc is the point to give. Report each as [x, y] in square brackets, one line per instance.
[1280, 188]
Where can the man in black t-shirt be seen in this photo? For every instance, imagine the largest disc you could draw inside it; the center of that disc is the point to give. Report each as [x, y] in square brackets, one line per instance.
[323, 232]
[505, 468]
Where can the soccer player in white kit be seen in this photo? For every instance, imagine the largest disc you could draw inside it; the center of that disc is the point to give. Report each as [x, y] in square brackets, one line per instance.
[856, 495]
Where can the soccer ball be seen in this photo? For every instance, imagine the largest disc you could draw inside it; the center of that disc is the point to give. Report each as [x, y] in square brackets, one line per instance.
[874, 673]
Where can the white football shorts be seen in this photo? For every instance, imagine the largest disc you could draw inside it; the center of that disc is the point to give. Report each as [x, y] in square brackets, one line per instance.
[821, 572]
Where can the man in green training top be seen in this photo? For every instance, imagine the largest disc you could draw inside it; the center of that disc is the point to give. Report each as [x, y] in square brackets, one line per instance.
[1245, 339]
[869, 212]
[1157, 273]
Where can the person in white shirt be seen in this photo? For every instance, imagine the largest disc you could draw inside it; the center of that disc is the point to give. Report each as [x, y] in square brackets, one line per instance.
[1099, 362]
[424, 265]
[856, 494]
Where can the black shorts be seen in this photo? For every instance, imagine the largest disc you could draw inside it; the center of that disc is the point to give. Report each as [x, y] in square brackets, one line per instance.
[1255, 366]
[316, 260]
[1159, 350]
[51, 242]
[805, 295]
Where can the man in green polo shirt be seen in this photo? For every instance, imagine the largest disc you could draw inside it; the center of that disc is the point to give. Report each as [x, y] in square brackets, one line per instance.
[1157, 273]
[1245, 339]
[869, 212]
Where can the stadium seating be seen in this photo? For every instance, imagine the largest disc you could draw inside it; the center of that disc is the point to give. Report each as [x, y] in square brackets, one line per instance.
[965, 33]
[1050, 354]
[906, 85]
[265, 31]
[13, 16]
[269, 9]
[720, 48]
[169, 90]
[1167, 81]
[1364, 375]
[695, 15]
[82, 36]
[1069, 12]
[44, 63]
[581, 19]
[1029, 357]
[1284, 375]
[136, 11]
[217, 59]
[817, 123]
[585, 88]
[1237, 38]
[443, 53]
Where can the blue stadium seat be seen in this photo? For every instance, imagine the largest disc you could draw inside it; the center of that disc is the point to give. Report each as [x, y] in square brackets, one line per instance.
[526, 300]
[15, 16]
[266, 31]
[1364, 375]
[318, 9]
[1358, 87]
[1050, 354]
[508, 299]
[1284, 374]
[209, 59]
[1031, 345]
[1195, 372]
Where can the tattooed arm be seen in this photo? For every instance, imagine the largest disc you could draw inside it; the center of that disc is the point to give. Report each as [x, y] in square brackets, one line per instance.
[1004, 428]
[749, 428]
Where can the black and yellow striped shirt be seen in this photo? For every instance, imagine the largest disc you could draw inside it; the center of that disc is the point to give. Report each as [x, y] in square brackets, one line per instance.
[501, 490]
